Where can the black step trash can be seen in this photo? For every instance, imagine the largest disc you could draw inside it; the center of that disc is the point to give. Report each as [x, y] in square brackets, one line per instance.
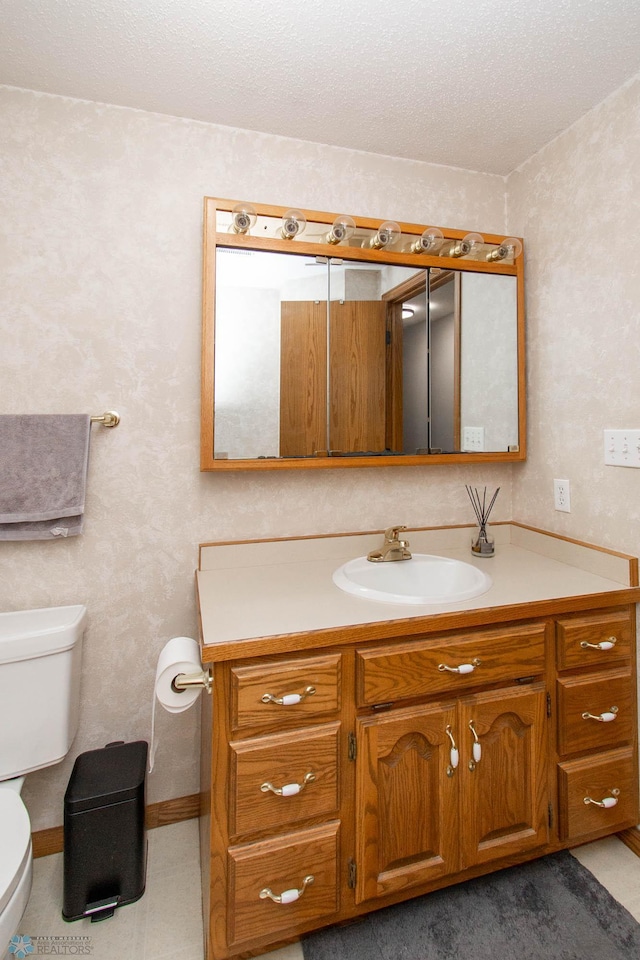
[105, 846]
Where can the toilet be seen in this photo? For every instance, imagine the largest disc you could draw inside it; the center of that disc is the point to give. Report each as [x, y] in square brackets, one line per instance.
[40, 654]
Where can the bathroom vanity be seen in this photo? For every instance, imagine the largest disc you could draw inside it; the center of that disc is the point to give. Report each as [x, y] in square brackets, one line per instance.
[357, 753]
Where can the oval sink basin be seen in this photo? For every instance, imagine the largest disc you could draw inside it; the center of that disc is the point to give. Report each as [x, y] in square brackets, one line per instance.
[422, 579]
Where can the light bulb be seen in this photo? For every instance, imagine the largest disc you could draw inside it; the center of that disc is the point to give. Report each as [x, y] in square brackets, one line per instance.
[509, 249]
[457, 248]
[293, 223]
[244, 217]
[387, 235]
[463, 248]
[428, 240]
[475, 240]
[343, 229]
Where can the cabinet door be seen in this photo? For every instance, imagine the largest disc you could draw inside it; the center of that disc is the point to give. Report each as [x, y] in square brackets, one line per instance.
[357, 348]
[503, 793]
[303, 378]
[406, 801]
[357, 375]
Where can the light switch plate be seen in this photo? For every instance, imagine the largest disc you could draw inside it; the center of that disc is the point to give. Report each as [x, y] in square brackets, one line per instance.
[473, 439]
[622, 448]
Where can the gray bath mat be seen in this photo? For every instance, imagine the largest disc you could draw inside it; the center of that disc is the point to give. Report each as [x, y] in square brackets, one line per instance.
[549, 909]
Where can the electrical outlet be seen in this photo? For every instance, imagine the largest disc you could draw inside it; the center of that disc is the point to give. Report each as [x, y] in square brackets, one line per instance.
[473, 439]
[562, 495]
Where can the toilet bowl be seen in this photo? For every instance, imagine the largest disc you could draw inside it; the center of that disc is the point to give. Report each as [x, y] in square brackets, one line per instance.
[40, 654]
[16, 863]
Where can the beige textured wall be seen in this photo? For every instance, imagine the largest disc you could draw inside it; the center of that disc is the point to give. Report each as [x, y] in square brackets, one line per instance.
[577, 203]
[100, 270]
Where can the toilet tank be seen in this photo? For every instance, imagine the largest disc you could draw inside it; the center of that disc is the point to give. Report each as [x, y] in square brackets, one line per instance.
[40, 653]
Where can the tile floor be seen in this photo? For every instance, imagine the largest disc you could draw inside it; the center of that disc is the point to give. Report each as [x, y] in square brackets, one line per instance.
[167, 921]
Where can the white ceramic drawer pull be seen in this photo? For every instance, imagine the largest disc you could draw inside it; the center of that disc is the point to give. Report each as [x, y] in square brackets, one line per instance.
[477, 746]
[454, 756]
[607, 717]
[289, 699]
[287, 896]
[289, 789]
[606, 802]
[603, 645]
[462, 668]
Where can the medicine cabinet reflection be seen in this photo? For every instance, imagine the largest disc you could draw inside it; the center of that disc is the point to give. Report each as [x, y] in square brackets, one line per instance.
[349, 356]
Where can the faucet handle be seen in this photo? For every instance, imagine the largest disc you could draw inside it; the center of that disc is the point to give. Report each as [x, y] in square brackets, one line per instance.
[391, 533]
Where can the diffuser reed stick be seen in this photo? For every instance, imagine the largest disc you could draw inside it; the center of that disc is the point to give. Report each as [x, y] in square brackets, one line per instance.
[482, 544]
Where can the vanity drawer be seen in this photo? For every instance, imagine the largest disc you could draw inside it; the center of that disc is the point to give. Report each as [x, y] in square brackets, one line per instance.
[284, 693]
[417, 667]
[598, 777]
[280, 865]
[578, 639]
[604, 694]
[303, 760]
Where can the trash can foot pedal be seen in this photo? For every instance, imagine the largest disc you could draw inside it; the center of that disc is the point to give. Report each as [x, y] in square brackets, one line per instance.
[101, 909]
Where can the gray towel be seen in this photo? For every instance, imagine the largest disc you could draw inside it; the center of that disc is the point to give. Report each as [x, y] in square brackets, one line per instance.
[43, 470]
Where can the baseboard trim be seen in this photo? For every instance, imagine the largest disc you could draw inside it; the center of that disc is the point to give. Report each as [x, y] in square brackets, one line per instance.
[47, 841]
[172, 811]
[631, 838]
[51, 840]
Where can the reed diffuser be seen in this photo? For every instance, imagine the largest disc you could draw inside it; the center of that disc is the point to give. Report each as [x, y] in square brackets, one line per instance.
[483, 544]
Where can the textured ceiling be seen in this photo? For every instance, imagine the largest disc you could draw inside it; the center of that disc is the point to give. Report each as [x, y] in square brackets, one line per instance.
[480, 84]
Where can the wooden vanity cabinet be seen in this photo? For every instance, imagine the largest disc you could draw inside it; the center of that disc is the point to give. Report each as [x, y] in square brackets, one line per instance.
[343, 779]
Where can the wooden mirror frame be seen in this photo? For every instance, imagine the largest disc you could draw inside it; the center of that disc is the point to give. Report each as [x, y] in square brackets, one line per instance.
[212, 238]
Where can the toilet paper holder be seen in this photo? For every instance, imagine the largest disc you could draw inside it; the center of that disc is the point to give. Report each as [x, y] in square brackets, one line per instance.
[184, 681]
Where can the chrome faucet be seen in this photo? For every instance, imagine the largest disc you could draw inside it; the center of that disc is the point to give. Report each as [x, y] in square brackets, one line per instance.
[393, 548]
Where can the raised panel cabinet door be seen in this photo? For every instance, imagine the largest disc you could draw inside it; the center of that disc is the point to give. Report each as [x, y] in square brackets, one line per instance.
[406, 800]
[503, 773]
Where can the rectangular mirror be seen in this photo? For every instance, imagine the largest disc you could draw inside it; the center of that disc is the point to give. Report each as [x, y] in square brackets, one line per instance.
[318, 354]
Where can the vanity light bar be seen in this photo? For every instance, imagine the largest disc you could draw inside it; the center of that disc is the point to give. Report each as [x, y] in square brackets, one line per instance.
[246, 220]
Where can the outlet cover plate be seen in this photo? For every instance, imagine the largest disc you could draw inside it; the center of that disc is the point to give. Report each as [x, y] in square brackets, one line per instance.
[562, 495]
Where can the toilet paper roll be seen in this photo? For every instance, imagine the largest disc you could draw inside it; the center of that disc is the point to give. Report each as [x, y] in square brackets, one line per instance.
[179, 655]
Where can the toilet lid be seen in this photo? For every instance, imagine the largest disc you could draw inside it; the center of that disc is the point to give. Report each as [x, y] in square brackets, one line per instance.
[15, 846]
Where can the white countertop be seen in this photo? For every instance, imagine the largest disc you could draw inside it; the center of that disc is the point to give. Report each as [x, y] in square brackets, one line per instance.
[250, 591]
